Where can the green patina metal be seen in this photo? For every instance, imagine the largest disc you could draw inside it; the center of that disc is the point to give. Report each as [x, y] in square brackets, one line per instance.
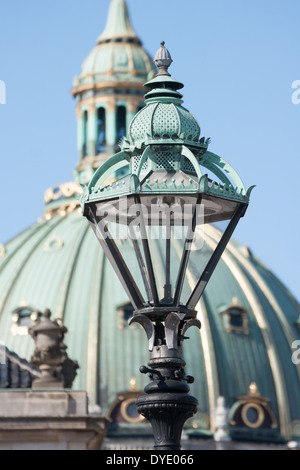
[118, 54]
[164, 153]
[118, 23]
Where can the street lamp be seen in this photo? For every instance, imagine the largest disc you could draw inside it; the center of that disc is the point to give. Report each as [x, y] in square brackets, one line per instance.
[152, 225]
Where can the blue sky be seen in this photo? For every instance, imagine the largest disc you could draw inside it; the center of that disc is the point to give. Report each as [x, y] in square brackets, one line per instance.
[238, 61]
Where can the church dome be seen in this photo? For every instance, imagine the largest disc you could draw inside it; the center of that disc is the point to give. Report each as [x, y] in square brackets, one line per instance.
[249, 322]
[116, 61]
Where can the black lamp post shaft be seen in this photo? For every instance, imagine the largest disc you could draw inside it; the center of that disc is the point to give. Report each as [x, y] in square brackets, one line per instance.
[167, 403]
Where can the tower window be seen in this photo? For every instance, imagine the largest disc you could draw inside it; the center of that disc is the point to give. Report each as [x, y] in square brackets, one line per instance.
[121, 123]
[101, 130]
[85, 134]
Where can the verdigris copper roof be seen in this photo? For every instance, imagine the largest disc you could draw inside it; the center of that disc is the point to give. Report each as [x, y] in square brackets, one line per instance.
[58, 264]
[118, 25]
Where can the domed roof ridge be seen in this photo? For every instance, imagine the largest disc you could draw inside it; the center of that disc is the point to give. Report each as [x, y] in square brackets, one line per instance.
[72, 278]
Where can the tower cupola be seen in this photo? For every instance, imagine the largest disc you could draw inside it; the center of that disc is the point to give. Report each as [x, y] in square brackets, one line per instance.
[109, 90]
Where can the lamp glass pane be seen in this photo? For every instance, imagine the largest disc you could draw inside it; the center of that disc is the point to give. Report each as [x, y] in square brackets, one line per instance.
[158, 236]
[207, 236]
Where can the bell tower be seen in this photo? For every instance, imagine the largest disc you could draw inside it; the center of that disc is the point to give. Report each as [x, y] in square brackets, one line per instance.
[109, 90]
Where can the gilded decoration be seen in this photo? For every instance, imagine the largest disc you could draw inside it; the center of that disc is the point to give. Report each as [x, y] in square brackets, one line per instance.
[136, 100]
[107, 85]
[89, 162]
[133, 384]
[63, 190]
[61, 210]
[23, 318]
[252, 411]
[260, 415]
[128, 411]
[124, 410]
[2, 251]
[200, 420]
[111, 105]
[54, 243]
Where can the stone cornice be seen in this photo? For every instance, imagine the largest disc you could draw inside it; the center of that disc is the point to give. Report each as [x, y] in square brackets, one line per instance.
[117, 85]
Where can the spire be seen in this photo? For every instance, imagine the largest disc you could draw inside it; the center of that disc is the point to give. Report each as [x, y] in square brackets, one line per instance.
[118, 24]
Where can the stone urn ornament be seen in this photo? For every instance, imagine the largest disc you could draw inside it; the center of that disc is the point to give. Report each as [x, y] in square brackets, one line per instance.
[50, 356]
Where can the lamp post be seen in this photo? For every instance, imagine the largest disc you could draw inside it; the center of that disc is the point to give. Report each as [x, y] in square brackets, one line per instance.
[152, 226]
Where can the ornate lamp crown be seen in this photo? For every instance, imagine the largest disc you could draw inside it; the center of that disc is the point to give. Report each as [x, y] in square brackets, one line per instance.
[165, 137]
[168, 163]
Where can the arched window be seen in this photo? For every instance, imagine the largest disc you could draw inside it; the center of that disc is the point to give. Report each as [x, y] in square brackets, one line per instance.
[85, 134]
[121, 123]
[251, 413]
[101, 130]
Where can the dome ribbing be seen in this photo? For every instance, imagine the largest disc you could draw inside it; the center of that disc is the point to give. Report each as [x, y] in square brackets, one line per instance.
[58, 264]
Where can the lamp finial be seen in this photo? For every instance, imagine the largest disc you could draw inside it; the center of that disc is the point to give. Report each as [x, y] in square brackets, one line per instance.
[163, 60]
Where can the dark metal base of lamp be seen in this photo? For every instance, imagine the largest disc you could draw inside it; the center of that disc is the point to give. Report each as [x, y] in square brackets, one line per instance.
[167, 403]
[167, 413]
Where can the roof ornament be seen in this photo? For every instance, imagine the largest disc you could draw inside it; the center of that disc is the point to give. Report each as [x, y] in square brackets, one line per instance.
[50, 356]
[221, 421]
[253, 389]
[163, 60]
